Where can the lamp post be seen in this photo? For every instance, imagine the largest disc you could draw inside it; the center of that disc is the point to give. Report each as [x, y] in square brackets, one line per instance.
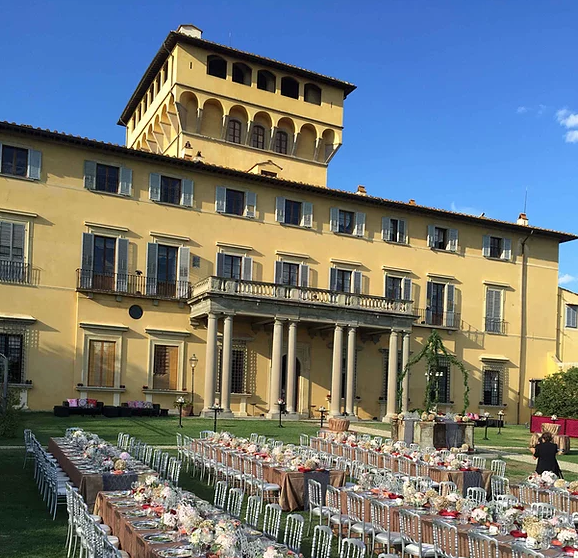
[216, 409]
[193, 361]
[180, 403]
[322, 411]
[486, 416]
[282, 404]
[500, 421]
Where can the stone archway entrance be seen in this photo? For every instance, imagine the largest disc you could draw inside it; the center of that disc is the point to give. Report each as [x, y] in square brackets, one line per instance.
[297, 392]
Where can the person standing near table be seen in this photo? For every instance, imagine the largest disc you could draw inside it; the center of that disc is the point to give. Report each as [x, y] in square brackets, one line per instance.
[545, 452]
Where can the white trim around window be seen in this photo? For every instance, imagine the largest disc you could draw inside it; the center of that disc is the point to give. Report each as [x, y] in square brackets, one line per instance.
[170, 340]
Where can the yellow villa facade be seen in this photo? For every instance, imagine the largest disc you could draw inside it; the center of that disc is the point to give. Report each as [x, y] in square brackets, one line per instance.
[213, 239]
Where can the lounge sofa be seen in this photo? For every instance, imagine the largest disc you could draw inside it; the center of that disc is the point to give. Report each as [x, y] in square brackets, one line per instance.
[142, 408]
[80, 406]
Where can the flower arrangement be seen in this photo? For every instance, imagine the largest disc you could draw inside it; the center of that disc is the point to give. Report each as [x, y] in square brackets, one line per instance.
[534, 527]
[481, 515]
[568, 537]
[545, 480]
[364, 482]
[560, 483]
[573, 486]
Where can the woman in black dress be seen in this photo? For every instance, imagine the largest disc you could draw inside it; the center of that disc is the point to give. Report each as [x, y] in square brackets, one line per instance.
[545, 452]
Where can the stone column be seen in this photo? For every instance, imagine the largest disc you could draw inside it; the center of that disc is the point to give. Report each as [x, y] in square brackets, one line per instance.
[210, 363]
[392, 376]
[276, 365]
[350, 388]
[227, 366]
[336, 371]
[291, 368]
[404, 360]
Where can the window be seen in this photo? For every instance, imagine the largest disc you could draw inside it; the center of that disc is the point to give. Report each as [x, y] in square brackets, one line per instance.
[13, 268]
[347, 222]
[394, 230]
[494, 305]
[258, 137]
[101, 363]
[343, 281]
[440, 386]
[393, 287]
[492, 387]
[291, 212]
[170, 190]
[104, 263]
[290, 87]
[19, 161]
[535, 388]
[281, 142]
[291, 273]
[234, 131]
[441, 238]
[235, 202]
[107, 178]
[238, 367]
[167, 189]
[440, 304]
[571, 316]
[216, 66]
[11, 345]
[497, 247]
[166, 363]
[266, 81]
[242, 73]
[112, 179]
[312, 94]
[167, 270]
[231, 267]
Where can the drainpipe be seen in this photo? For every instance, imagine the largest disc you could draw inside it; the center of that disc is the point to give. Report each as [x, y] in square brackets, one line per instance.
[523, 327]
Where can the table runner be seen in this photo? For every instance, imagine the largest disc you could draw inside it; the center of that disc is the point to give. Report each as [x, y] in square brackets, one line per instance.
[321, 477]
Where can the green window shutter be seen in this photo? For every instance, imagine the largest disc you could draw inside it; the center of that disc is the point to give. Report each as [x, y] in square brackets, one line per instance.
[401, 231]
[90, 175]
[307, 215]
[250, 204]
[187, 192]
[280, 209]
[34, 164]
[278, 272]
[125, 182]
[247, 269]
[87, 260]
[452, 240]
[333, 279]
[220, 199]
[385, 224]
[154, 187]
[152, 267]
[356, 278]
[450, 305]
[431, 235]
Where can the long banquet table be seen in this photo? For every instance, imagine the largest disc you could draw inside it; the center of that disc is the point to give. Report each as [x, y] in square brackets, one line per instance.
[90, 484]
[544, 495]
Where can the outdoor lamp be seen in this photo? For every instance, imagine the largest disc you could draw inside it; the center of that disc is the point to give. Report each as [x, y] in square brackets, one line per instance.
[193, 361]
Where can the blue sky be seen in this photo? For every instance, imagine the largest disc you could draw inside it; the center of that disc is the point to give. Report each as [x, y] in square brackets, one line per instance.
[458, 102]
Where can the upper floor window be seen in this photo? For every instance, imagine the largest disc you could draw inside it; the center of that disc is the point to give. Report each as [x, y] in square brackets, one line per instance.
[441, 238]
[266, 81]
[233, 266]
[167, 189]
[234, 131]
[494, 307]
[19, 161]
[293, 212]
[312, 94]
[13, 268]
[497, 247]
[345, 280]
[293, 274]
[235, 202]
[101, 363]
[440, 304]
[281, 142]
[347, 222]
[394, 230]
[216, 66]
[112, 179]
[258, 137]
[571, 316]
[242, 73]
[12, 346]
[397, 287]
[492, 389]
[167, 270]
[290, 87]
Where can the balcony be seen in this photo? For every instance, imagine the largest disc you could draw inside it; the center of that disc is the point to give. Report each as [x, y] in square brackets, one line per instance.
[18, 273]
[432, 318]
[292, 294]
[497, 327]
[131, 285]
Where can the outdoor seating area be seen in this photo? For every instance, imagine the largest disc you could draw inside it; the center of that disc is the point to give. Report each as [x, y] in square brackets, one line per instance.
[92, 407]
[349, 495]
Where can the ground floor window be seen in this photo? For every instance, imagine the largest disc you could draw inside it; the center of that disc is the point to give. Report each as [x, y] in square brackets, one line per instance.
[238, 368]
[12, 346]
[440, 387]
[101, 363]
[165, 367]
[492, 388]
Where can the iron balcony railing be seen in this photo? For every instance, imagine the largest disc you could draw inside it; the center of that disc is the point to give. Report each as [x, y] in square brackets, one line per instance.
[430, 317]
[133, 285]
[258, 289]
[496, 326]
[15, 272]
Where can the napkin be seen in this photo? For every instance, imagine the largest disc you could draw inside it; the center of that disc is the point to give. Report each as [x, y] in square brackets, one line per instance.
[518, 534]
[447, 513]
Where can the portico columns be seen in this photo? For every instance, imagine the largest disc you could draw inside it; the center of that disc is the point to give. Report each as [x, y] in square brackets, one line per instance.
[392, 377]
[276, 365]
[227, 361]
[350, 388]
[404, 361]
[336, 371]
[291, 367]
[210, 363]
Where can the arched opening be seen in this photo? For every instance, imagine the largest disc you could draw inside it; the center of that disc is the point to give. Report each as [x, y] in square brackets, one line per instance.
[242, 73]
[212, 119]
[312, 94]
[290, 87]
[167, 126]
[296, 385]
[261, 132]
[190, 104]
[158, 134]
[328, 140]
[266, 81]
[282, 142]
[234, 130]
[306, 142]
[258, 136]
[216, 66]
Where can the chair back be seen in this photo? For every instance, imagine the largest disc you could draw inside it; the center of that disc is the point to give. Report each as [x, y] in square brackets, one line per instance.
[421, 469]
[543, 510]
[529, 494]
[461, 456]
[303, 440]
[272, 520]
[333, 500]
[414, 447]
[505, 501]
[477, 494]
[315, 494]
[479, 462]
[220, 494]
[482, 546]
[253, 511]
[405, 466]
[352, 548]
[500, 485]
[447, 487]
[157, 454]
[498, 467]
[204, 434]
[560, 499]
[261, 440]
[253, 438]
[378, 440]
[355, 507]
[410, 528]
[293, 532]
[445, 539]
[235, 502]
[522, 551]
[322, 537]
[423, 484]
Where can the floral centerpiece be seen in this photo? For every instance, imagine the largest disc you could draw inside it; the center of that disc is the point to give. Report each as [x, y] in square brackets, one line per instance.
[481, 515]
[545, 480]
[567, 537]
[215, 537]
[573, 487]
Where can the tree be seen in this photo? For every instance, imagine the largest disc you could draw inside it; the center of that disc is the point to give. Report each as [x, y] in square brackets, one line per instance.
[433, 351]
[559, 394]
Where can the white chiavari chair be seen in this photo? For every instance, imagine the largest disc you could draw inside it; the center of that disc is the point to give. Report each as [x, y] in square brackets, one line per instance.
[352, 548]
[272, 521]
[315, 504]
[560, 499]
[253, 511]
[235, 502]
[498, 467]
[479, 462]
[358, 523]
[293, 535]
[500, 485]
[542, 510]
[476, 494]
[321, 546]
[411, 535]
[447, 487]
[529, 494]
[482, 546]
[220, 497]
[522, 551]
[380, 513]
[335, 515]
[445, 539]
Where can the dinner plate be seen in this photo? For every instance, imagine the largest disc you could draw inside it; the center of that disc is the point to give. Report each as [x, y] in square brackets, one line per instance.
[123, 503]
[146, 524]
[158, 538]
[118, 493]
[181, 551]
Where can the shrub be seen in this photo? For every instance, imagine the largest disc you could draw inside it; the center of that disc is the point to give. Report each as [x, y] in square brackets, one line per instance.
[559, 394]
[10, 418]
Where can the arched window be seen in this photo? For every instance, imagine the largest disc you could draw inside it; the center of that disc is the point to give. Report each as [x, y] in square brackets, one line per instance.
[242, 73]
[234, 131]
[258, 137]
[312, 94]
[216, 66]
[281, 142]
[290, 87]
[266, 81]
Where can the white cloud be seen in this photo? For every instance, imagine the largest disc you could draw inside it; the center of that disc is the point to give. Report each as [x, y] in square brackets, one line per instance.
[567, 118]
[522, 110]
[566, 278]
[464, 209]
[571, 137]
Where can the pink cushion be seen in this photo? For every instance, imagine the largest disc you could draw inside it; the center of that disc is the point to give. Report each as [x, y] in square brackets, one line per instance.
[72, 402]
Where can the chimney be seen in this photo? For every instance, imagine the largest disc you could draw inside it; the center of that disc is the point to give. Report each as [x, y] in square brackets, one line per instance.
[187, 151]
[411, 202]
[190, 30]
[522, 219]
[361, 191]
